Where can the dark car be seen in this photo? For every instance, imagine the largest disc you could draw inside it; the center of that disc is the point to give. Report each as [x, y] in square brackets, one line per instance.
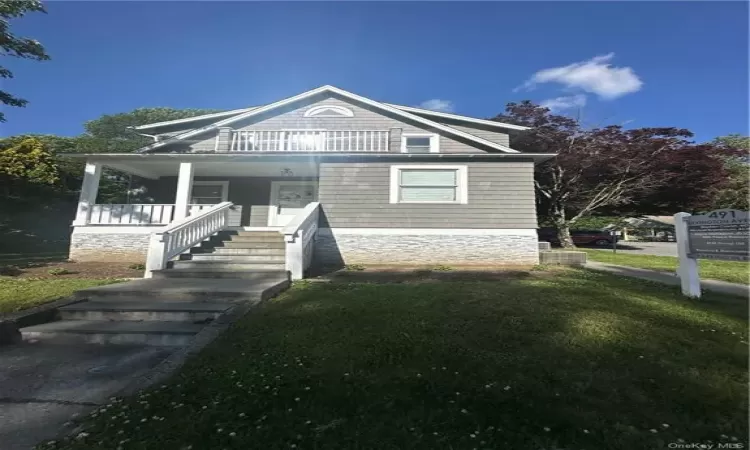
[580, 237]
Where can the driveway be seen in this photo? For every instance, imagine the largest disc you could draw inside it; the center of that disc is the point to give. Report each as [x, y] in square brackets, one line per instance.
[43, 386]
[649, 248]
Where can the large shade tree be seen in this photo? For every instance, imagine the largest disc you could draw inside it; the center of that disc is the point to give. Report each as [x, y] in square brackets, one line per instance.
[736, 158]
[15, 46]
[112, 133]
[109, 133]
[611, 168]
[25, 164]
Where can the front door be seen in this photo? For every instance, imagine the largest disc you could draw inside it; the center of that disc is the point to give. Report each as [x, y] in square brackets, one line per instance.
[288, 198]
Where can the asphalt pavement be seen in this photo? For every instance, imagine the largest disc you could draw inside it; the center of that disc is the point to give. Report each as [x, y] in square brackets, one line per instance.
[645, 248]
[43, 386]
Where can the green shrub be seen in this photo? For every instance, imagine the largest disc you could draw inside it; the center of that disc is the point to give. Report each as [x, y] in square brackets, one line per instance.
[354, 267]
[59, 271]
[137, 266]
[10, 271]
[442, 268]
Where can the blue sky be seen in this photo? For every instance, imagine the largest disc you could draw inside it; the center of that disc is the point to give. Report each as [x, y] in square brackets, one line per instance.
[643, 64]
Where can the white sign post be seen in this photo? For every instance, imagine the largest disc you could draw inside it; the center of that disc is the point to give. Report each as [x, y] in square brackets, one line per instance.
[687, 268]
[721, 234]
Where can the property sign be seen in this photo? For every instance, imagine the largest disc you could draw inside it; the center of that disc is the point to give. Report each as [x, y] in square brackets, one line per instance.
[720, 234]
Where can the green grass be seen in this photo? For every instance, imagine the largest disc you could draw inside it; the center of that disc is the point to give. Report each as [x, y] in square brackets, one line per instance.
[561, 359]
[22, 293]
[732, 271]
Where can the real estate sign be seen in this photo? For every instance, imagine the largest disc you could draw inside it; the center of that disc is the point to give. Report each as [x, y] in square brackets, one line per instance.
[720, 234]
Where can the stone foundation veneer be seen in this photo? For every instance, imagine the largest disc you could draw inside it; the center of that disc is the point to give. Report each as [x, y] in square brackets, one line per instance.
[426, 246]
[110, 244]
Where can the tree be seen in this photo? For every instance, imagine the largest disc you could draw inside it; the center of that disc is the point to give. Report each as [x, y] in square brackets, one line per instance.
[111, 133]
[736, 163]
[604, 169]
[27, 163]
[17, 47]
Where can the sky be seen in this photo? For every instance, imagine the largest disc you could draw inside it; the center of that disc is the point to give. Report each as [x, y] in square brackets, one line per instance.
[640, 64]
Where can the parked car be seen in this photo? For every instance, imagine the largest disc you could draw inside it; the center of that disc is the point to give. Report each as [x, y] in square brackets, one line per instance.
[580, 237]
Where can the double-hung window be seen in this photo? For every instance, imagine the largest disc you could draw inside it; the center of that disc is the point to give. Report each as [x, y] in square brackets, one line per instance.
[209, 192]
[429, 184]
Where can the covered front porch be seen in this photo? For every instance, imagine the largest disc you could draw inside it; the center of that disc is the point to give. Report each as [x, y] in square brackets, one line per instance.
[189, 203]
[265, 195]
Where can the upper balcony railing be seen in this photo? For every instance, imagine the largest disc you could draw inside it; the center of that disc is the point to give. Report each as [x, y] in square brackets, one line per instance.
[310, 141]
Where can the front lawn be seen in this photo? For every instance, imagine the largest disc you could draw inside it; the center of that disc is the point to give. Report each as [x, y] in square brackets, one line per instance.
[541, 360]
[732, 271]
[22, 293]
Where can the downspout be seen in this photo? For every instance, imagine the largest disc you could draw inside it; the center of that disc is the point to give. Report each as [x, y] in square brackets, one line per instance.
[152, 136]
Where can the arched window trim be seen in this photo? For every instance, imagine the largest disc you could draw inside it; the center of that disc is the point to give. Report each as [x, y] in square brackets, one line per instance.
[326, 111]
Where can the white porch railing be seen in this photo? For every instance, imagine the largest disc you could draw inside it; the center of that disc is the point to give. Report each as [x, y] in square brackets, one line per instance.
[299, 236]
[137, 214]
[131, 214]
[184, 234]
[309, 141]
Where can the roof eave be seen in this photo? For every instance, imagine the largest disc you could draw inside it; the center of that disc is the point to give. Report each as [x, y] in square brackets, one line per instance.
[337, 91]
[491, 123]
[536, 157]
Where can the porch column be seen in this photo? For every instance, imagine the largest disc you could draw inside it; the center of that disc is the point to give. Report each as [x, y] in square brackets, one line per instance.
[184, 186]
[89, 189]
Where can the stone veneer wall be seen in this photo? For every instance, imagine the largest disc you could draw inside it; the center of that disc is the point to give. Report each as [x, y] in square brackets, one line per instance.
[446, 246]
[90, 244]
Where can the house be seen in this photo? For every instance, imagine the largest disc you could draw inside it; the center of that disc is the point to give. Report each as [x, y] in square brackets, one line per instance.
[324, 177]
[649, 228]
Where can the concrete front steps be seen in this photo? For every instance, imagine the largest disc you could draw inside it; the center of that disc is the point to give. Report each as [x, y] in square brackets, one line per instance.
[164, 310]
[231, 254]
[114, 310]
[114, 332]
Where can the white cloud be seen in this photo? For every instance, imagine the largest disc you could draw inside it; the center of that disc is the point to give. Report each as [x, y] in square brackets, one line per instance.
[563, 103]
[437, 104]
[596, 76]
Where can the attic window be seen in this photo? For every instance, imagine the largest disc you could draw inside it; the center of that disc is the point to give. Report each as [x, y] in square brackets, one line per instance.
[329, 111]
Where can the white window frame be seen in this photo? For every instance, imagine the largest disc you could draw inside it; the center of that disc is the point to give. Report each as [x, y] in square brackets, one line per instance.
[462, 182]
[434, 141]
[224, 188]
[319, 111]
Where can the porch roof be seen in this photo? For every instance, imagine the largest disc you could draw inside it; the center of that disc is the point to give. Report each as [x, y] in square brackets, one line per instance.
[155, 165]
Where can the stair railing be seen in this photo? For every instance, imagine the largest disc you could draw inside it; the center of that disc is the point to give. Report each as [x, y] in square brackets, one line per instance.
[183, 234]
[299, 235]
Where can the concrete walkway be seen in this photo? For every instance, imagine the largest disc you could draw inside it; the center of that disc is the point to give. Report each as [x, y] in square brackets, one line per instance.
[723, 287]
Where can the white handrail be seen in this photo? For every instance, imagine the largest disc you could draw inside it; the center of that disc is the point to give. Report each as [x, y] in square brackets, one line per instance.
[183, 234]
[299, 236]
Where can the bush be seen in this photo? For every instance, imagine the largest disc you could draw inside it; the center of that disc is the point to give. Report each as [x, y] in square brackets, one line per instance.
[354, 267]
[442, 268]
[10, 271]
[59, 271]
[137, 266]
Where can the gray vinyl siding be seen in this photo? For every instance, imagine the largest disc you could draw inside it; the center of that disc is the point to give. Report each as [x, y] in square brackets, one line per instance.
[490, 135]
[365, 118]
[357, 195]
